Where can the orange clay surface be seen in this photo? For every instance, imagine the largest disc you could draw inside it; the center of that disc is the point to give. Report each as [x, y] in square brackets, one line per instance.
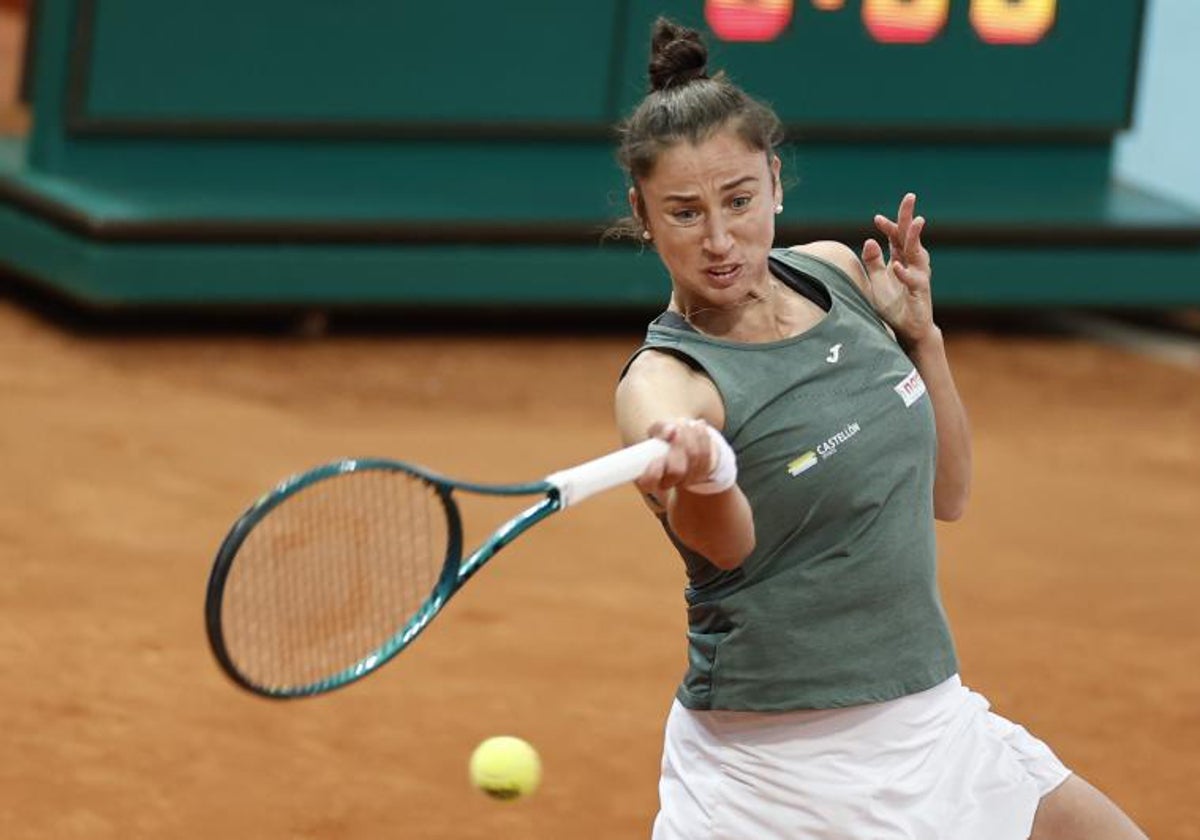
[1073, 584]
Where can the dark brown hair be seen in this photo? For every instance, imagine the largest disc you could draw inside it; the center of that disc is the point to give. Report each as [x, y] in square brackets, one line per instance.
[686, 104]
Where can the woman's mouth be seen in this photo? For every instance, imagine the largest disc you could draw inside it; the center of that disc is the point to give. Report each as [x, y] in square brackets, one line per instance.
[723, 275]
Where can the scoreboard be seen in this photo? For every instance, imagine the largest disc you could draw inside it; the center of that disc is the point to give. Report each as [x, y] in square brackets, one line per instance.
[545, 68]
[460, 154]
[1031, 66]
[889, 21]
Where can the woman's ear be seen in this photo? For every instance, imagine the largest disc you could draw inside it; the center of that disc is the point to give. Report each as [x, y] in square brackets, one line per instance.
[635, 207]
[776, 168]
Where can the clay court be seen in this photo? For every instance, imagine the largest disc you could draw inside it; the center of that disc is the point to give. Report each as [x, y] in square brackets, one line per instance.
[1071, 584]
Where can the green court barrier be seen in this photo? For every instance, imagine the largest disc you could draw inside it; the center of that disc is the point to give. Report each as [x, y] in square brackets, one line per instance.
[461, 154]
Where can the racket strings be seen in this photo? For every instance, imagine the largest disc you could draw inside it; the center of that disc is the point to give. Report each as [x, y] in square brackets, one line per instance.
[327, 578]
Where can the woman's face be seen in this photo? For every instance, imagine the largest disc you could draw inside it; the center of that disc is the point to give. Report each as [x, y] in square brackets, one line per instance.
[710, 209]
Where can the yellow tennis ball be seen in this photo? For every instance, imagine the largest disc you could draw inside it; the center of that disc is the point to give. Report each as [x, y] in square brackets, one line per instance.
[505, 768]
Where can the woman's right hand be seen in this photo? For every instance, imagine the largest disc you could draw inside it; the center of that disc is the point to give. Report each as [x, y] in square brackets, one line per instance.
[689, 461]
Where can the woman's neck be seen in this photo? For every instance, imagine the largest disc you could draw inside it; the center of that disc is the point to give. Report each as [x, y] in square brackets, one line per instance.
[748, 319]
[766, 313]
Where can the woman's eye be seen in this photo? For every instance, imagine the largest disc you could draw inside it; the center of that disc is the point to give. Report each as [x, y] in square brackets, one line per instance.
[684, 215]
[741, 202]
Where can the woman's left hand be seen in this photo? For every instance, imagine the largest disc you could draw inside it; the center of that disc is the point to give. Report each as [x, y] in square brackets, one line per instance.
[900, 285]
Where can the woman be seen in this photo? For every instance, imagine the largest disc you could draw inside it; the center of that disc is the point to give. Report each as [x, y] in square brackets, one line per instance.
[807, 398]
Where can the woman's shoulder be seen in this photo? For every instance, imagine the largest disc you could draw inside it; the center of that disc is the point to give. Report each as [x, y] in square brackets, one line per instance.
[849, 267]
[652, 365]
[838, 255]
[656, 378]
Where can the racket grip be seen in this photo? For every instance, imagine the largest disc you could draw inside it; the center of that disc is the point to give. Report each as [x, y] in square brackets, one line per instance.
[578, 483]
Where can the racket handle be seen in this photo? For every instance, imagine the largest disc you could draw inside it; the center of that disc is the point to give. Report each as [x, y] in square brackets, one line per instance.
[578, 483]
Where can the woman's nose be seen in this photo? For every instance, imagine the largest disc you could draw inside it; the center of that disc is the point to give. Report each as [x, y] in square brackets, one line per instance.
[718, 239]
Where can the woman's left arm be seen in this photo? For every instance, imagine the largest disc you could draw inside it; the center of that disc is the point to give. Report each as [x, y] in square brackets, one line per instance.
[952, 481]
[900, 290]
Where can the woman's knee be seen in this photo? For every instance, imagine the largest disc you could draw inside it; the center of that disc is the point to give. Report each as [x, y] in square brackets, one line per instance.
[1077, 811]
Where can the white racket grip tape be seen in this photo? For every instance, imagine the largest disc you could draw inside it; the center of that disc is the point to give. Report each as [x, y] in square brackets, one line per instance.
[578, 483]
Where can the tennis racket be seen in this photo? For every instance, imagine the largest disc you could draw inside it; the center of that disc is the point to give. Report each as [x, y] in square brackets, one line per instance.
[336, 570]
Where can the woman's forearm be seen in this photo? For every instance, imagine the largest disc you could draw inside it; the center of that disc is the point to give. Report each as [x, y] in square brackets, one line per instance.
[720, 528]
[952, 482]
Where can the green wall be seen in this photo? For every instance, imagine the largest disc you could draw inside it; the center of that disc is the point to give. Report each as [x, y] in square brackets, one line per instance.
[305, 152]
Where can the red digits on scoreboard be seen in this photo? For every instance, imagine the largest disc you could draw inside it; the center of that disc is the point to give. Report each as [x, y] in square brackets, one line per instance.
[748, 20]
[905, 21]
[1012, 21]
[1016, 22]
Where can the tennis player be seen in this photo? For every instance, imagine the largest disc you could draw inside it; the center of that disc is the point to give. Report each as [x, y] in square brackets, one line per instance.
[816, 433]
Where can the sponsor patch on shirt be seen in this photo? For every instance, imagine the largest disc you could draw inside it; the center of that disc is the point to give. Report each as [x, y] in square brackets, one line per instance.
[805, 462]
[911, 388]
[827, 448]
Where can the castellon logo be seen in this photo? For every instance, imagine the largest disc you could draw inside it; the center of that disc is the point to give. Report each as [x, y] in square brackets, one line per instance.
[829, 448]
[825, 449]
[805, 462]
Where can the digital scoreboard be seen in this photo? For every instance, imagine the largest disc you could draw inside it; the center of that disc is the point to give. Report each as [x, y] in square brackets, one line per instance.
[1017, 22]
[1027, 66]
[546, 68]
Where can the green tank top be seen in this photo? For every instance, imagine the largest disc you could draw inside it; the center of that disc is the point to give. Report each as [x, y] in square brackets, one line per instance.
[834, 434]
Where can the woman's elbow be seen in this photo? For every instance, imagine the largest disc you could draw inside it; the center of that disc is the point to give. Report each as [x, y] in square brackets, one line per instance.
[952, 509]
[722, 533]
[727, 562]
[731, 555]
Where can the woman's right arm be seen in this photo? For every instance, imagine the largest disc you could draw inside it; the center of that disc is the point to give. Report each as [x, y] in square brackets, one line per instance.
[662, 397]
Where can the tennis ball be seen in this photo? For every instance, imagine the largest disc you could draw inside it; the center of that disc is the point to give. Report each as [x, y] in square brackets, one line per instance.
[505, 768]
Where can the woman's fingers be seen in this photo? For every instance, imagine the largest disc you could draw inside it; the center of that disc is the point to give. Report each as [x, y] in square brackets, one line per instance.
[906, 277]
[695, 447]
[903, 246]
[900, 232]
[887, 227]
[904, 217]
[872, 257]
[914, 279]
[687, 461]
[912, 242]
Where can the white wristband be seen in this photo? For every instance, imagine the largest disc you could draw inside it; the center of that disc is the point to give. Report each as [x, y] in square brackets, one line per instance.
[723, 474]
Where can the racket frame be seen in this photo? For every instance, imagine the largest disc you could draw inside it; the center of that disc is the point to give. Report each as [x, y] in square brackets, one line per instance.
[560, 490]
[456, 571]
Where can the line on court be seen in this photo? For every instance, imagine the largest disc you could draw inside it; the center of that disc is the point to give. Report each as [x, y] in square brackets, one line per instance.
[1159, 345]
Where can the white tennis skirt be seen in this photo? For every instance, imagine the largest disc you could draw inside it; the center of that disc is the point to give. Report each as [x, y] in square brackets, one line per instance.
[936, 765]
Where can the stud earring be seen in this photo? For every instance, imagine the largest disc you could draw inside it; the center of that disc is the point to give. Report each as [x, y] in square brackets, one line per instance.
[646, 235]
[778, 209]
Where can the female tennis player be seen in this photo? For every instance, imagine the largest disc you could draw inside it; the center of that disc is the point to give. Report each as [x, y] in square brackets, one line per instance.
[815, 434]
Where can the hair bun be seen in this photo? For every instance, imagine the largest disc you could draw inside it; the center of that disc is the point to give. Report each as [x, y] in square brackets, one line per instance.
[677, 55]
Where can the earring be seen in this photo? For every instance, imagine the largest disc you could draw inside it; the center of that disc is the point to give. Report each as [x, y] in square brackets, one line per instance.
[778, 209]
[646, 235]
